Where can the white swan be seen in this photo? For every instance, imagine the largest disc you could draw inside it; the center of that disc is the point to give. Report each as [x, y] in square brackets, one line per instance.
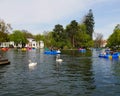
[58, 59]
[32, 64]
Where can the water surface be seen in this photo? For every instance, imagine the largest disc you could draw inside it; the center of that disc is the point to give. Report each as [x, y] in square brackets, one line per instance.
[80, 74]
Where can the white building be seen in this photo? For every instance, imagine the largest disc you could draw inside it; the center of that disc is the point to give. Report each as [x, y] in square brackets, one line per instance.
[7, 44]
[32, 44]
[41, 44]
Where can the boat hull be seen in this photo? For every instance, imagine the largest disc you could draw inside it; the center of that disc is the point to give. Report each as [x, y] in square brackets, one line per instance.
[4, 61]
[115, 55]
[52, 52]
[82, 50]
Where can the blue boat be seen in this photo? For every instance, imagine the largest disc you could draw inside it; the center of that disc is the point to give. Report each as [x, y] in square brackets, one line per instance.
[108, 55]
[82, 50]
[53, 52]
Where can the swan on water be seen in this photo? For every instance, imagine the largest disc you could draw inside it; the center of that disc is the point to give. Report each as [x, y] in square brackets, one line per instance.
[32, 63]
[58, 59]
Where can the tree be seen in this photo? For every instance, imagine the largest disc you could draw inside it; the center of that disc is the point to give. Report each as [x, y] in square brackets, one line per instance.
[48, 39]
[83, 39]
[27, 34]
[18, 37]
[89, 22]
[58, 32]
[71, 31]
[114, 39]
[39, 37]
[98, 39]
[59, 36]
[4, 30]
[117, 27]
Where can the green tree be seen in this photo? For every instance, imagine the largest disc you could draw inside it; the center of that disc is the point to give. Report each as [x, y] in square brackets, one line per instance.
[39, 37]
[48, 39]
[4, 30]
[27, 34]
[71, 31]
[59, 36]
[58, 32]
[89, 22]
[83, 39]
[18, 37]
[114, 39]
[117, 27]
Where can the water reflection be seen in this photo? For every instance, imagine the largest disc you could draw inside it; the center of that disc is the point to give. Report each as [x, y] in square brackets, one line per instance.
[81, 70]
[3, 69]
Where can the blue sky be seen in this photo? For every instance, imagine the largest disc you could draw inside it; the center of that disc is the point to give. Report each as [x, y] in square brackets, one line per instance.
[38, 16]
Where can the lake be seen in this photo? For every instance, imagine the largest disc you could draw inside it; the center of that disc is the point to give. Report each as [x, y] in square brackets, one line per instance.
[80, 74]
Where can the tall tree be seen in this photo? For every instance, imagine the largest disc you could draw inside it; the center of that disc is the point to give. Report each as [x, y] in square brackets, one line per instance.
[71, 30]
[58, 32]
[117, 27]
[83, 39]
[89, 22]
[4, 30]
[59, 36]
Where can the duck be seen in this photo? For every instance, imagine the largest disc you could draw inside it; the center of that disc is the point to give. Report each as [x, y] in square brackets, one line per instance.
[31, 64]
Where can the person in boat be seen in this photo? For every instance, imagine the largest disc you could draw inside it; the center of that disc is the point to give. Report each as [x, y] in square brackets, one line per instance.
[111, 52]
[103, 53]
[58, 50]
[51, 49]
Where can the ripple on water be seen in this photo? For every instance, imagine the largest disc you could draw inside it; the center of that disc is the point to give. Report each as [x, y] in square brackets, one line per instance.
[78, 75]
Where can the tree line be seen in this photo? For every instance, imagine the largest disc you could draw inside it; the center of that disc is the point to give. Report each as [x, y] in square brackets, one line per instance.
[114, 39]
[74, 35]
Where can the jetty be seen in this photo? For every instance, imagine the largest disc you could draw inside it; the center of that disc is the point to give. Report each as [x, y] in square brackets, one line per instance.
[4, 61]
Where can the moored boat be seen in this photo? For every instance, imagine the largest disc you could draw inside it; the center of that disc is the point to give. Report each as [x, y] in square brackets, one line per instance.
[4, 61]
[108, 55]
[82, 50]
[4, 49]
[53, 52]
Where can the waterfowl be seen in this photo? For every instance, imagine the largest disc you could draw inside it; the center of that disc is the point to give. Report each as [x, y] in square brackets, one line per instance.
[32, 63]
[58, 59]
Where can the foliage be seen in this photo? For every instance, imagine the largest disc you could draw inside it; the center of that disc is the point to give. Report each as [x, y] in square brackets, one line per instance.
[83, 39]
[27, 34]
[59, 36]
[58, 33]
[74, 35]
[18, 37]
[48, 39]
[39, 37]
[4, 30]
[89, 22]
[114, 39]
[71, 31]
